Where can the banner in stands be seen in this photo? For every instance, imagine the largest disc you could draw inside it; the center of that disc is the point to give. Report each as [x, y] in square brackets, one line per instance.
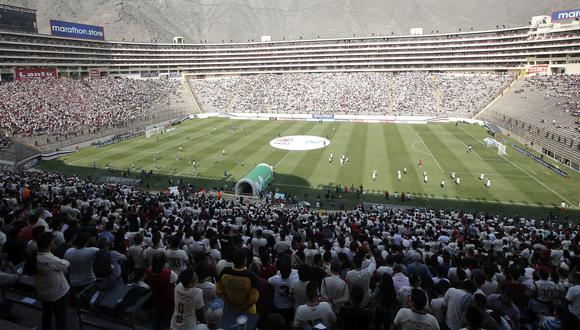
[175, 75]
[565, 14]
[20, 74]
[535, 69]
[76, 30]
[323, 116]
[94, 73]
[151, 74]
[540, 161]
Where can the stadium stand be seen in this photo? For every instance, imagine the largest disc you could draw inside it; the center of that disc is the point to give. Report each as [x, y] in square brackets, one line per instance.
[543, 111]
[404, 93]
[458, 267]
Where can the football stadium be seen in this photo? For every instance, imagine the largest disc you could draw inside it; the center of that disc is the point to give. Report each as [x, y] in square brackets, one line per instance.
[417, 180]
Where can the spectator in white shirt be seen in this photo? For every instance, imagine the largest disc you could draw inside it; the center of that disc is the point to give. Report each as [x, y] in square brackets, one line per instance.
[573, 294]
[334, 289]
[50, 283]
[313, 312]
[81, 260]
[415, 317]
[361, 277]
[399, 279]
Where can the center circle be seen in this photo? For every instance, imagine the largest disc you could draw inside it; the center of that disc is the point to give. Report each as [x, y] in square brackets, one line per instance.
[300, 142]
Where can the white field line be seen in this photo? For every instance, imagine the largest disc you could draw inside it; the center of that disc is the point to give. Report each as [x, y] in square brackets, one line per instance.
[524, 171]
[424, 197]
[471, 150]
[288, 152]
[429, 150]
[417, 150]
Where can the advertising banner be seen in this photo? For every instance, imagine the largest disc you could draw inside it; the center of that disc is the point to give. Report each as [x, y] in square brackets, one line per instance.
[76, 30]
[20, 74]
[149, 74]
[565, 14]
[540, 161]
[329, 116]
[537, 69]
[94, 73]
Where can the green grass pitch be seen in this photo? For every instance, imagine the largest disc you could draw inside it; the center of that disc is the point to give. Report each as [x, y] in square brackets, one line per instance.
[518, 184]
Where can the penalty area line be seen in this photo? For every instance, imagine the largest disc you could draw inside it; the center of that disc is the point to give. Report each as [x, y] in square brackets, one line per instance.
[525, 172]
[430, 153]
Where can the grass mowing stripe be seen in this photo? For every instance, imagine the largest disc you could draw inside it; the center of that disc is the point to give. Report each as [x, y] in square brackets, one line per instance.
[441, 148]
[509, 185]
[525, 172]
[318, 168]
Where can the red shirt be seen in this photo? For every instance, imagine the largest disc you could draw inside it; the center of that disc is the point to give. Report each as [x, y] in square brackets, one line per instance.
[162, 289]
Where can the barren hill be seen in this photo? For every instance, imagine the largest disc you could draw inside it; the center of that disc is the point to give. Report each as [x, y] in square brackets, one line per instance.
[242, 20]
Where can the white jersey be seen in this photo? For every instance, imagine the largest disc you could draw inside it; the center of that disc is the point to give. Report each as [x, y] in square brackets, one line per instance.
[282, 299]
[187, 301]
[177, 260]
[407, 319]
[308, 316]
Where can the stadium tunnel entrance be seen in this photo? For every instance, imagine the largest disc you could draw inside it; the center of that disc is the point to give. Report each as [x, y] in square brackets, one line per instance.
[256, 181]
[244, 188]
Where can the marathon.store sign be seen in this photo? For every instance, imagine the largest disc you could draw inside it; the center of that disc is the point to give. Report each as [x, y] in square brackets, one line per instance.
[76, 30]
[20, 74]
[565, 14]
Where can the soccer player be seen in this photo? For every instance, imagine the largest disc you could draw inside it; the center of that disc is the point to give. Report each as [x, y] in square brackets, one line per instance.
[405, 170]
[469, 148]
[420, 163]
[442, 183]
[188, 302]
[346, 160]
[457, 180]
[426, 179]
[399, 175]
[481, 176]
[453, 175]
[341, 162]
[223, 152]
[374, 175]
[488, 183]
[225, 174]
[424, 173]
[180, 149]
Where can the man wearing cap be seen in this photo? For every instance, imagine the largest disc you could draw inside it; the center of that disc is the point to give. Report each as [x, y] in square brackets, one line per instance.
[213, 315]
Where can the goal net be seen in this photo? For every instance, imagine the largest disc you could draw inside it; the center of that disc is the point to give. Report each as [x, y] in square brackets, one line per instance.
[492, 143]
[154, 131]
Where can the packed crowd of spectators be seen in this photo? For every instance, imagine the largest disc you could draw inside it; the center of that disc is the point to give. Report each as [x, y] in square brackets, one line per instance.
[65, 106]
[467, 94]
[358, 93]
[4, 142]
[293, 267]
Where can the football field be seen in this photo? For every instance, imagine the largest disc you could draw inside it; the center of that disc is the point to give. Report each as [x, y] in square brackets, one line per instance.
[518, 184]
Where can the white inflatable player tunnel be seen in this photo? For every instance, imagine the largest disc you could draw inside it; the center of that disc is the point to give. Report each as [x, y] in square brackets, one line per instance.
[255, 181]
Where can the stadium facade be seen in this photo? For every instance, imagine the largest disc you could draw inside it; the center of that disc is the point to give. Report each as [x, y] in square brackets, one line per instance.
[542, 47]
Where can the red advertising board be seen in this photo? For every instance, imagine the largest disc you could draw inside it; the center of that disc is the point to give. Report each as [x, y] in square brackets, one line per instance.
[94, 73]
[537, 69]
[20, 74]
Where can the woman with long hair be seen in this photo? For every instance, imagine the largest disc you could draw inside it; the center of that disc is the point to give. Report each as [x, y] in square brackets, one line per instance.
[386, 304]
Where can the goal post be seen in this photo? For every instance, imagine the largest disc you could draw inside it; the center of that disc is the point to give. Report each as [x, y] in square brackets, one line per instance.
[493, 143]
[154, 131]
